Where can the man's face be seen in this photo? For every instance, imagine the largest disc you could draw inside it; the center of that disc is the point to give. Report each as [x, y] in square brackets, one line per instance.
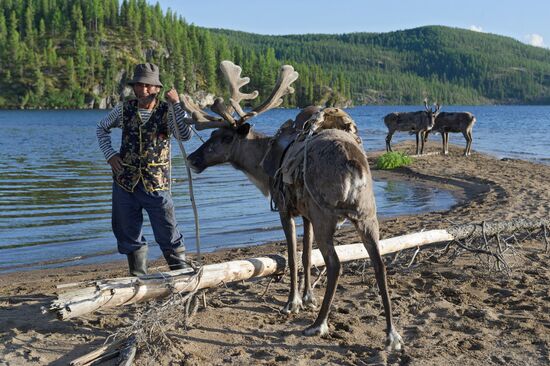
[145, 91]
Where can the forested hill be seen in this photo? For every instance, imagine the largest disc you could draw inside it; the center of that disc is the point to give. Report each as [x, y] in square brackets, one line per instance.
[80, 53]
[450, 65]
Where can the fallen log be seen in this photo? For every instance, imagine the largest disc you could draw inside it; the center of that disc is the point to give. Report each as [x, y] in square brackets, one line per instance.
[123, 291]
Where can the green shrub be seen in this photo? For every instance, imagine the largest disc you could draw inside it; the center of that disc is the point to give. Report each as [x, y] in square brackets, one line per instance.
[392, 160]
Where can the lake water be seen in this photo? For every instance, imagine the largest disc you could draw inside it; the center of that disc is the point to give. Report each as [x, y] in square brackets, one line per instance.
[55, 187]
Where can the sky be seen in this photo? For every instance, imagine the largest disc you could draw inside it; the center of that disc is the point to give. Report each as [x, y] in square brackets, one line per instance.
[527, 20]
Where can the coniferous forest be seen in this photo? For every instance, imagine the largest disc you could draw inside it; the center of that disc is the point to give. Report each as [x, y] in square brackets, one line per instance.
[80, 53]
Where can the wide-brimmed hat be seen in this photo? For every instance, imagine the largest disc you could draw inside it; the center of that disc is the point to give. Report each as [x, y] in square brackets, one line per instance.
[146, 73]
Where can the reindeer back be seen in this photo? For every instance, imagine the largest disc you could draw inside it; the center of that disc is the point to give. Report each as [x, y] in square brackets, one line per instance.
[332, 118]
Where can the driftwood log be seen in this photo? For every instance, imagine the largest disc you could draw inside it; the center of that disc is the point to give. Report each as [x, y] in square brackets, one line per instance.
[79, 300]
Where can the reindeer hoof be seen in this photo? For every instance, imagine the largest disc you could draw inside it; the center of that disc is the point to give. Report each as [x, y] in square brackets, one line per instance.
[309, 302]
[320, 330]
[292, 307]
[394, 342]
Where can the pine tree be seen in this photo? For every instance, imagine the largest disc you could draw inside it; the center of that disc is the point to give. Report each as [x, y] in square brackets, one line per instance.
[73, 89]
[50, 55]
[3, 29]
[3, 38]
[209, 62]
[57, 23]
[81, 49]
[39, 86]
[42, 32]
[98, 15]
[30, 33]
[14, 48]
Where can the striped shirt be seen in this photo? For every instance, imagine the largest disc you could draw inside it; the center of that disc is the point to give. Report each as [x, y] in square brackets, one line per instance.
[114, 120]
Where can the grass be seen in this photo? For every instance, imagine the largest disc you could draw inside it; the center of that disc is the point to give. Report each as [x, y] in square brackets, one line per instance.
[392, 160]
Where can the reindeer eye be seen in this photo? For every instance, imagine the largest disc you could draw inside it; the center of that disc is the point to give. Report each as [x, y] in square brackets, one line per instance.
[227, 139]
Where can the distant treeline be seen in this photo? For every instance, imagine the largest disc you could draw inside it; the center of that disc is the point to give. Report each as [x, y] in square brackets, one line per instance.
[76, 53]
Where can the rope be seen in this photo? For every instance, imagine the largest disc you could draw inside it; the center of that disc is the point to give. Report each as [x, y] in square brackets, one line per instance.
[196, 133]
[190, 180]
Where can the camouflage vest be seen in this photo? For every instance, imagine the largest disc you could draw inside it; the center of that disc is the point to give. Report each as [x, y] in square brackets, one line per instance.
[145, 148]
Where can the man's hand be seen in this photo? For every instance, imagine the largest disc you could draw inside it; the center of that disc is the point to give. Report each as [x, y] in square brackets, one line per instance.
[116, 163]
[172, 96]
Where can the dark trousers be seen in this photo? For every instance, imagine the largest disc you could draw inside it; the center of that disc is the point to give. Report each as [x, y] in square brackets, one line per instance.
[127, 219]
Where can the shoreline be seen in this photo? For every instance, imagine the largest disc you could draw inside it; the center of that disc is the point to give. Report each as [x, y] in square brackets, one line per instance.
[457, 190]
[296, 107]
[456, 313]
[461, 191]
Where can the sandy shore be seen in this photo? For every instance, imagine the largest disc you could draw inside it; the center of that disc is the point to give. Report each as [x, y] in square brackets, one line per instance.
[449, 313]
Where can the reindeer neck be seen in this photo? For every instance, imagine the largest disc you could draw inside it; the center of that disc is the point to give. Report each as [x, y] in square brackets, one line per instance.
[247, 156]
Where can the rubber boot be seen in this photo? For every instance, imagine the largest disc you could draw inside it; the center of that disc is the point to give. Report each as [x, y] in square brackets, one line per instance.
[175, 258]
[137, 262]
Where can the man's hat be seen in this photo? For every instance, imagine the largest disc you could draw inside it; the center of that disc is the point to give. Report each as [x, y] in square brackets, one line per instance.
[146, 73]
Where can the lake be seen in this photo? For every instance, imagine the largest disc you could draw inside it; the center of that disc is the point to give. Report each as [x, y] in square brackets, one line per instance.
[55, 187]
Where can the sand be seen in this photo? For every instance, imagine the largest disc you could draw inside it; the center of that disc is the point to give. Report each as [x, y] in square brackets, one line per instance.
[449, 312]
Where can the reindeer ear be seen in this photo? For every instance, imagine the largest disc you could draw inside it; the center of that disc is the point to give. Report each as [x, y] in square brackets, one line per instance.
[243, 129]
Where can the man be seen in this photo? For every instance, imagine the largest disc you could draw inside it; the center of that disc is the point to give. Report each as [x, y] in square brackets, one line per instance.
[141, 170]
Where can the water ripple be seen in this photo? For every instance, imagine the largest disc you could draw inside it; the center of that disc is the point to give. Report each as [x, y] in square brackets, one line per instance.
[55, 187]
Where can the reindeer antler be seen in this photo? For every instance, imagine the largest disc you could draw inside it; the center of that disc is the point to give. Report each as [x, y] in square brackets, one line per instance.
[232, 73]
[287, 76]
[202, 120]
[429, 109]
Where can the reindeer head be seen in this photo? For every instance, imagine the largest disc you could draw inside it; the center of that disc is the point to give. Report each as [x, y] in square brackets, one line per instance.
[218, 148]
[431, 114]
[231, 129]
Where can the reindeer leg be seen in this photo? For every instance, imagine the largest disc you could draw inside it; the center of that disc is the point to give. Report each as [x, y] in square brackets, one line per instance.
[388, 142]
[324, 228]
[422, 141]
[368, 230]
[445, 143]
[294, 302]
[468, 136]
[308, 300]
[417, 150]
[465, 134]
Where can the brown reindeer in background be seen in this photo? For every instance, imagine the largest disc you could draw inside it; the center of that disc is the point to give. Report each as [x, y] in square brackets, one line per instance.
[323, 177]
[418, 123]
[454, 122]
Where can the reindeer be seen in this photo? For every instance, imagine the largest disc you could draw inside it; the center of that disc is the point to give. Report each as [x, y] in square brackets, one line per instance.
[325, 177]
[454, 122]
[418, 123]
